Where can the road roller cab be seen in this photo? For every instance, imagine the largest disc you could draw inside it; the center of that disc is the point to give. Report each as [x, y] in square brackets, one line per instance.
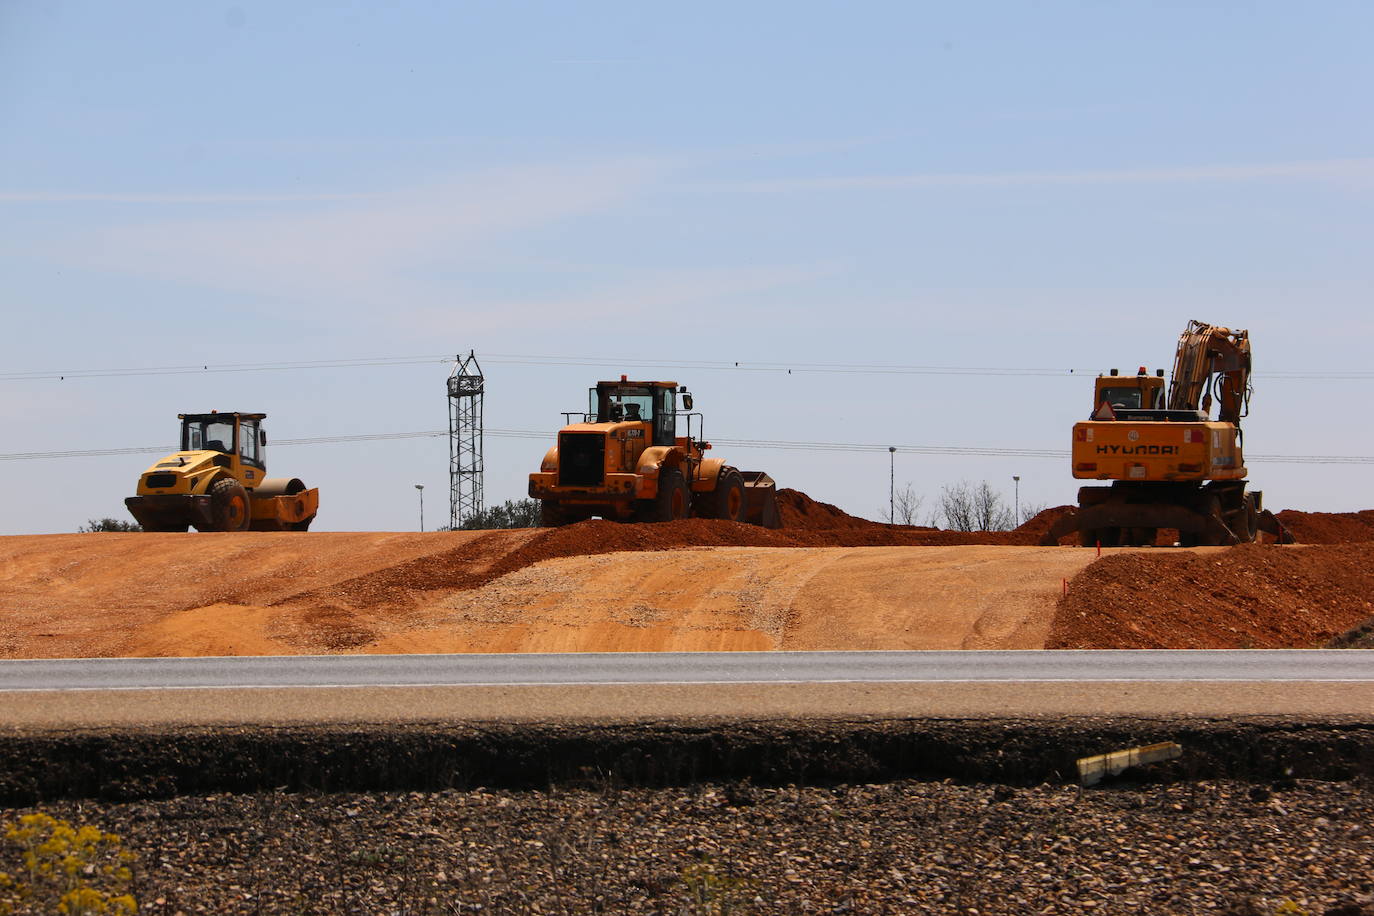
[218, 481]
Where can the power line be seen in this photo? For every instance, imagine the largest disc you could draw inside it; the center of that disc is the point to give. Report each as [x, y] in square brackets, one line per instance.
[770, 444]
[616, 363]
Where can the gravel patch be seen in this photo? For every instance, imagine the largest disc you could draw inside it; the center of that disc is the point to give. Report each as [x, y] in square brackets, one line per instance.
[1292, 846]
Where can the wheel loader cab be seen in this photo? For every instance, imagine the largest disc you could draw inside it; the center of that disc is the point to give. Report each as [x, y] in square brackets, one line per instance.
[655, 403]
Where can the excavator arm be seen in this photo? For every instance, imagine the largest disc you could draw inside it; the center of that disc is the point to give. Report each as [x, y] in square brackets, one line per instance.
[1212, 360]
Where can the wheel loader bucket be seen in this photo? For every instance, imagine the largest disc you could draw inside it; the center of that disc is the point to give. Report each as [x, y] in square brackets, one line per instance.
[761, 492]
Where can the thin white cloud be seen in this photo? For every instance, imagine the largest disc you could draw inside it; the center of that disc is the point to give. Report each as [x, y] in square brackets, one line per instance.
[134, 197]
[1351, 171]
[355, 250]
[709, 292]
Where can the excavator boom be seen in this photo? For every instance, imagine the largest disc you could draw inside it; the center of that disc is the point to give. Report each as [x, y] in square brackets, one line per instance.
[1212, 359]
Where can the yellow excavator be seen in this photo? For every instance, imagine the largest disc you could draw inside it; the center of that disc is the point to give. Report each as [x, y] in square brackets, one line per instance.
[218, 481]
[1170, 463]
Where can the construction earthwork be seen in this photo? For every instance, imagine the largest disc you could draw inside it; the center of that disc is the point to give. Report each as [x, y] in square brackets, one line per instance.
[825, 581]
[924, 812]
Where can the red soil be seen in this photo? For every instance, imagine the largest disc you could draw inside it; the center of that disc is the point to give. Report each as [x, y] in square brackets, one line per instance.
[1329, 527]
[1244, 597]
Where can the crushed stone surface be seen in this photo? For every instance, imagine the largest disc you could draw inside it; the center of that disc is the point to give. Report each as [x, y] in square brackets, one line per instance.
[1295, 846]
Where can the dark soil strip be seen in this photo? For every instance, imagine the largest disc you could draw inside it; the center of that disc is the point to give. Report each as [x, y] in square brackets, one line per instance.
[132, 764]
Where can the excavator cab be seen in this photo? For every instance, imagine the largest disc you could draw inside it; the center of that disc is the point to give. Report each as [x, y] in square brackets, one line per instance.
[1128, 393]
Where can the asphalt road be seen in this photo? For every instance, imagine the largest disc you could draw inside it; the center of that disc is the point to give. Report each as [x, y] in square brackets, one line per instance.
[685, 668]
[103, 693]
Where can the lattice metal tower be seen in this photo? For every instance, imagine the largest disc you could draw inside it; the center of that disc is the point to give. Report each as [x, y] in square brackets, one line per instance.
[465, 390]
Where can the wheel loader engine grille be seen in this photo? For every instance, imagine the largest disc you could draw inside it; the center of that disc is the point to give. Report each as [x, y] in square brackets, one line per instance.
[161, 480]
[581, 459]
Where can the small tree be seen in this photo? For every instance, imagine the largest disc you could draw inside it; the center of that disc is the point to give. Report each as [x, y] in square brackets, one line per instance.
[107, 524]
[513, 513]
[906, 506]
[966, 507]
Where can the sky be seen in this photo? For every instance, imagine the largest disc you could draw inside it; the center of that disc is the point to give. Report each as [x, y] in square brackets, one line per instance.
[913, 225]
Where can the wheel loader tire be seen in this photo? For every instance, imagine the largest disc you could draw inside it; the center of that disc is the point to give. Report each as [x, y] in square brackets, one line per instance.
[727, 501]
[229, 507]
[179, 527]
[553, 514]
[674, 500]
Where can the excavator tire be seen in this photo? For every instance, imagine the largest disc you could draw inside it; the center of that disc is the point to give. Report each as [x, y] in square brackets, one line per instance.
[229, 508]
[1139, 537]
[673, 502]
[727, 501]
[1251, 518]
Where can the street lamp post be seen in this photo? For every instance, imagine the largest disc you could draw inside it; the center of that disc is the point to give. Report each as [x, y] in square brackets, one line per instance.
[1017, 481]
[892, 484]
[421, 488]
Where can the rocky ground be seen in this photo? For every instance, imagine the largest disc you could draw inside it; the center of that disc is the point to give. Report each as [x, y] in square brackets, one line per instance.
[1289, 847]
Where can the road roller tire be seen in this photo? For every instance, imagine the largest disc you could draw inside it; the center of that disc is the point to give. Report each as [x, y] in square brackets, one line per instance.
[229, 506]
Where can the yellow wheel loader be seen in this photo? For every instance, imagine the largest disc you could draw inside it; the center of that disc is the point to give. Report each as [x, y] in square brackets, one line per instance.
[623, 460]
[218, 481]
[1170, 463]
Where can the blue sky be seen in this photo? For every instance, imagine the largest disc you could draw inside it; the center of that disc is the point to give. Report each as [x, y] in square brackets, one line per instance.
[1041, 187]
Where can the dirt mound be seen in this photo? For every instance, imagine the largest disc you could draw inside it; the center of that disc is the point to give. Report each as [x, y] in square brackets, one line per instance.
[496, 554]
[1244, 597]
[1034, 528]
[801, 512]
[1329, 527]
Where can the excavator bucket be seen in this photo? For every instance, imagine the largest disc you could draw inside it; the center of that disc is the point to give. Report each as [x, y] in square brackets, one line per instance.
[1269, 523]
[761, 492]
